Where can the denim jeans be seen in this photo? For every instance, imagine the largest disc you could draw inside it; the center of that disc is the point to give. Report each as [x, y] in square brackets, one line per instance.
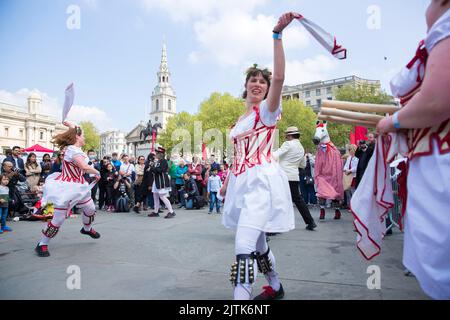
[3, 215]
[189, 204]
[213, 199]
[182, 198]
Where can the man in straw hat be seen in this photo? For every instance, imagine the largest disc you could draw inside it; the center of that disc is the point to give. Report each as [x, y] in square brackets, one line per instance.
[291, 157]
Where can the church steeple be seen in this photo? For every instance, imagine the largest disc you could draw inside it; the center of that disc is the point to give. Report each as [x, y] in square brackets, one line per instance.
[164, 73]
[163, 97]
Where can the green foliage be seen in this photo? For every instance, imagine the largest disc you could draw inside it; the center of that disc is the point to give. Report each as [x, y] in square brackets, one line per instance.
[182, 120]
[295, 113]
[363, 93]
[220, 111]
[91, 136]
[340, 133]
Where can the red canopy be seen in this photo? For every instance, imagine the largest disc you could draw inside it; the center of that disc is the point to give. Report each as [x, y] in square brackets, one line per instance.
[37, 148]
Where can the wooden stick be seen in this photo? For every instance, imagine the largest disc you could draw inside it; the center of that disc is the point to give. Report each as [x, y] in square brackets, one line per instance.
[352, 122]
[364, 107]
[351, 114]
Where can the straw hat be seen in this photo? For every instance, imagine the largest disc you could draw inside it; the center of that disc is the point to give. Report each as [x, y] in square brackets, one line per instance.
[292, 131]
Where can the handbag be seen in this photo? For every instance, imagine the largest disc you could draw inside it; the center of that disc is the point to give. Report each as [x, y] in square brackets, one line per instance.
[347, 181]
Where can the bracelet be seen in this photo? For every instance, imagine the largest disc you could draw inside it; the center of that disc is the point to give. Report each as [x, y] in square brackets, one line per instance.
[395, 121]
[277, 35]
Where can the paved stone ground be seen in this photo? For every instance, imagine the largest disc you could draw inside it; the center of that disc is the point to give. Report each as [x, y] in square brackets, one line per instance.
[189, 257]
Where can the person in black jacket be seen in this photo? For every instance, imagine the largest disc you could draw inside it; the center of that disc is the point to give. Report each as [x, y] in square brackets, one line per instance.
[364, 153]
[16, 160]
[191, 193]
[147, 183]
[102, 184]
[161, 184]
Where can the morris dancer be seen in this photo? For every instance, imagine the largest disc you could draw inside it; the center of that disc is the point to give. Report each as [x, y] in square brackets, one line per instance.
[258, 195]
[68, 188]
[327, 171]
[423, 87]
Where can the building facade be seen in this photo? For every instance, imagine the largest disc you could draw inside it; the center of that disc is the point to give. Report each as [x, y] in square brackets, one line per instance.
[25, 126]
[112, 141]
[313, 93]
[164, 99]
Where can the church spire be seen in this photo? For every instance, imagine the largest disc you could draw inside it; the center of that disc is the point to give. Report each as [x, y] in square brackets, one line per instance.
[164, 73]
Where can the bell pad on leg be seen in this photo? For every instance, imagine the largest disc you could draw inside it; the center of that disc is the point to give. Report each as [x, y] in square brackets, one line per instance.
[264, 263]
[51, 230]
[242, 271]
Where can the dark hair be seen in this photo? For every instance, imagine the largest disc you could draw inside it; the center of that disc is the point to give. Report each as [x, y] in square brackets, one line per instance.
[295, 136]
[29, 157]
[255, 71]
[4, 175]
[187, 173]
[15, 147]
[45, 155]
[91, 150]
[8, 152]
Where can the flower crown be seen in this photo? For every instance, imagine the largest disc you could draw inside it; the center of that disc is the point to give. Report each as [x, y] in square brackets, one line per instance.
[254, 69]
[79, 130]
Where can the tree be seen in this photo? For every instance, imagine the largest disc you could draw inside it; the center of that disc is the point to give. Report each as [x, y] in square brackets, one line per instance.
[180, 121]
[363, 93]
[220, 111]
[91, 136]
[339, 133]
[295, 113]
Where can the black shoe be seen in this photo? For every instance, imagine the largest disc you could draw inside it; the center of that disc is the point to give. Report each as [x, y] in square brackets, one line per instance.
[92, 233]
[160, 211]
[153, 214]
[270, 294]
[136, 209]
[42, 251]
[170, 215]
[311, 226]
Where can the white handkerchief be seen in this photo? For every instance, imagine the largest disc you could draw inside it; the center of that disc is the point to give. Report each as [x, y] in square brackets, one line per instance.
[68, 102]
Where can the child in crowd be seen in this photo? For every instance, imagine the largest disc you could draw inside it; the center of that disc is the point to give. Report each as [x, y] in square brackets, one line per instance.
[214, 186]
[4, 201]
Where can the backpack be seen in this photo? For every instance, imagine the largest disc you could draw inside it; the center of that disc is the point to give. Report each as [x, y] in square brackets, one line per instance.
[122, 204]
[199, 202]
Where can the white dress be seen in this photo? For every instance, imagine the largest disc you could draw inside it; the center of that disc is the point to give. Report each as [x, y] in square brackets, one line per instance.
[259, 197]
[427, 221]
[67, 188]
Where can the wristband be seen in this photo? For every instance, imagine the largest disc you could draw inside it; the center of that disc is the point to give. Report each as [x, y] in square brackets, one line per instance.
[395, 121]
[277, 35]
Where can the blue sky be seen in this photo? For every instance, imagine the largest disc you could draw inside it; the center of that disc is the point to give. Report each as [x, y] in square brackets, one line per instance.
[114, 56]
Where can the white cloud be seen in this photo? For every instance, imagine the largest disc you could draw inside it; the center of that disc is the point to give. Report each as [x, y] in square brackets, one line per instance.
[186, 10]
[51, 106]
[236, 38]
[94, 114]
[308, 70]
[227, 32]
